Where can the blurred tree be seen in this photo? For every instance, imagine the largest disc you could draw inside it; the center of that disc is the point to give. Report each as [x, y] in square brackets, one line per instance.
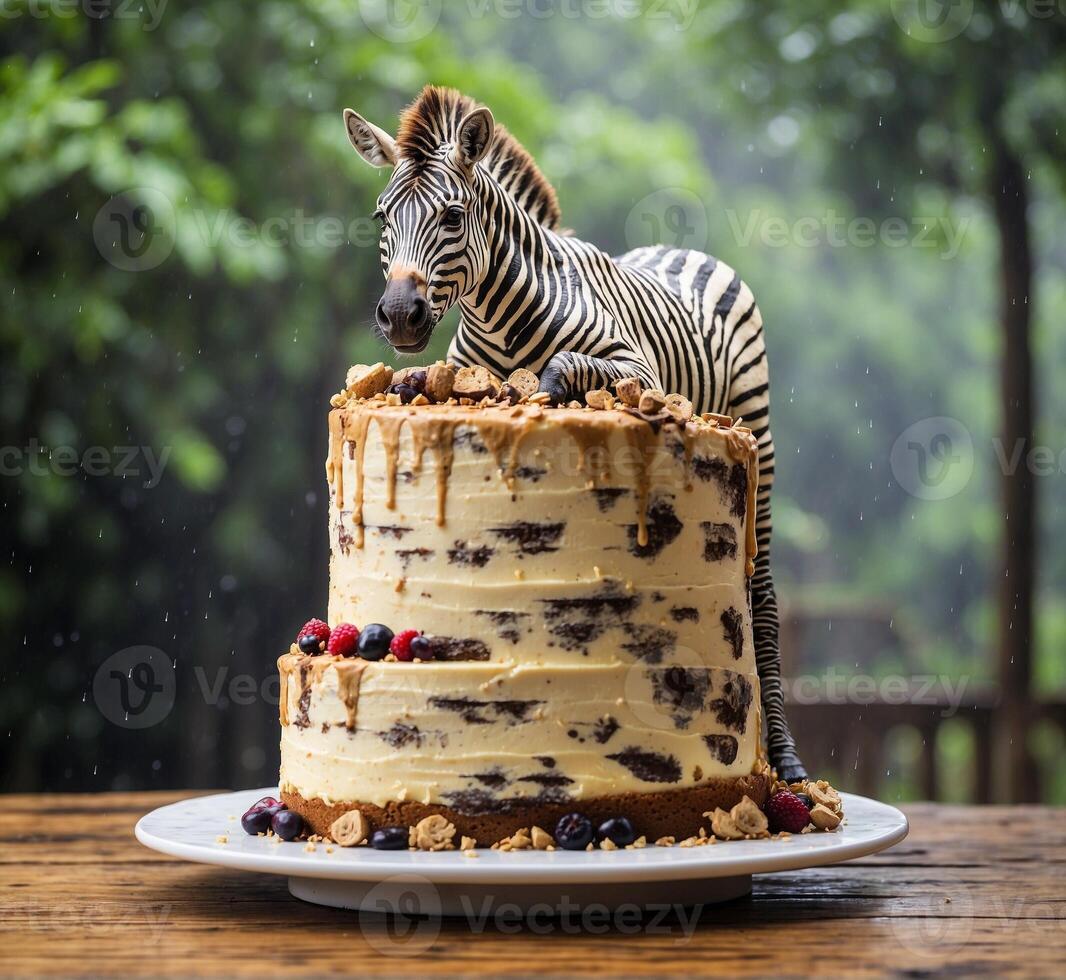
[968, 96]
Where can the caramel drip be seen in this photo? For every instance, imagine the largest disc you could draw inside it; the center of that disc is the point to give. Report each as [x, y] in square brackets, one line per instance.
[639, 437]
[357, 439]
[310, 670]
[592, 442]
[743, 448]
[501, 436]
[349, 677]
[438, 433]
[335, 462]
[284, 668]
[688, 437]
[390, 426]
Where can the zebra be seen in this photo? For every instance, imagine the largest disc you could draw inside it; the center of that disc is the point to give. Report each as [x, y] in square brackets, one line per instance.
[467, 217]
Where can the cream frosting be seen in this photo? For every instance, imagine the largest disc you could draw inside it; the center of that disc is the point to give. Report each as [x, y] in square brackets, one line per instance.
[581, 572]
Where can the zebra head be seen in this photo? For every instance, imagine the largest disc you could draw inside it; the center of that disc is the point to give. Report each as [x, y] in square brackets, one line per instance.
[434, 247]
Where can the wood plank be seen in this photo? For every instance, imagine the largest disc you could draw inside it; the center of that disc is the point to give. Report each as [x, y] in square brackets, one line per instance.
[972, 889]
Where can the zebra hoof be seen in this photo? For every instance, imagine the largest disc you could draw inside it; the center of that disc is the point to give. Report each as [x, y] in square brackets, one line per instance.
[792, 771]
[552, 384]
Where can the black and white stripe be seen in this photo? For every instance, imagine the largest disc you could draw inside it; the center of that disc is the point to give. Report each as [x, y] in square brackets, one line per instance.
[530, 297]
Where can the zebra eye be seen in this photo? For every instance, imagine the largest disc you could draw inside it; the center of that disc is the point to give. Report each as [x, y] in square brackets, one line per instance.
[453, 217]
[379, 217]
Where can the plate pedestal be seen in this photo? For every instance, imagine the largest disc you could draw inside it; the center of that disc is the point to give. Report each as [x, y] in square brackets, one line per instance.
[413, 895]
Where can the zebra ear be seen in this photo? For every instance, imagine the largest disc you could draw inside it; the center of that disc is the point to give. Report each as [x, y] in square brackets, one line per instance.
[374, 145]
[474, 136]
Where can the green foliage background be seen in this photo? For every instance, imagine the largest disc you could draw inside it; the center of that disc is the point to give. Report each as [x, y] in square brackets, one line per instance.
[225, 353]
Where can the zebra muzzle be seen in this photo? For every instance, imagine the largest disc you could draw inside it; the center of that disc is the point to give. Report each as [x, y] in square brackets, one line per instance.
[403, 314]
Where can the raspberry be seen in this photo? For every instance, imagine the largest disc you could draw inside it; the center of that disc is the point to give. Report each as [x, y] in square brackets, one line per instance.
[313, 633]
[787, 812]
[342, 640]
[400, 647]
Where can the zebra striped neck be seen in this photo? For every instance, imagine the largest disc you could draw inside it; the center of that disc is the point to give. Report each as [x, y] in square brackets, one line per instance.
[527, 289]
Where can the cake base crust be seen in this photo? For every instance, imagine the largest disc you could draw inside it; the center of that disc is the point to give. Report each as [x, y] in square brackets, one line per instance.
[668, 813]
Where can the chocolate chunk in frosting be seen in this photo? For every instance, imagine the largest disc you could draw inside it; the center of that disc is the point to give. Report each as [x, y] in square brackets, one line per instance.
[651, 767]
[458, 648]
[663, 527]
[719, 541]
[723, 748]
[731, 709]
[466, 556]
[531, 538]
[733, 628]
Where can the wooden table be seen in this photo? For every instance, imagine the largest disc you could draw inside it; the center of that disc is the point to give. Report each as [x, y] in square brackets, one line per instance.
[970, 890]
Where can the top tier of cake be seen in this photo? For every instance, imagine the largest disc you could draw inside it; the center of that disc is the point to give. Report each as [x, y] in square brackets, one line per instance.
[531, 535]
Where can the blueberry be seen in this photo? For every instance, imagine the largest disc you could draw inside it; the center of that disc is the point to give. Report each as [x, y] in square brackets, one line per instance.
[374, 641]
[256, 821]
[308, 643]
[264, 802]
[417, 380]
[421, 648]
[573, 832]
[287, 824]
[406, 392]
[806, 800]
[390, 839]
[618, 830]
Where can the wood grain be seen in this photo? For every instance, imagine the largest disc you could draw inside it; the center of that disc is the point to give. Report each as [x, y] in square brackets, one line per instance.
[971, 890]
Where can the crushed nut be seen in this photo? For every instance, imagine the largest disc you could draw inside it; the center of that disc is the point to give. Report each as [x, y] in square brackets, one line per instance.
[467, 843]
[665, 842]
[540, 398]
[724, 826]
[823, 818]
[628, 391]
[600, 399]
[679, 407]
[510, 394]
[475, 383]
[433, 833]
[822, 793]
[749, 819]
[440, 380]
[651, 402]
[608, 845]
[525, 381]
[542, 840]
[365, 381]
[349, 829]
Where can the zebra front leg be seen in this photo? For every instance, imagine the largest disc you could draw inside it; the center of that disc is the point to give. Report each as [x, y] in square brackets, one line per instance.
[568, 375]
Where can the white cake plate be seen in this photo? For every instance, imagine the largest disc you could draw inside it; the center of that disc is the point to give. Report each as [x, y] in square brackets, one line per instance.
[450, 883]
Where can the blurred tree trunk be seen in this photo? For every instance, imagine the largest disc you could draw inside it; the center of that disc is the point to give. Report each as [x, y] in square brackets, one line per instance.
[1008, 189]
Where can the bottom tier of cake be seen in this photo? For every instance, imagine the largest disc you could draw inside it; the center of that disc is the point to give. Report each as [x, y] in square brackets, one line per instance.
[675, 813]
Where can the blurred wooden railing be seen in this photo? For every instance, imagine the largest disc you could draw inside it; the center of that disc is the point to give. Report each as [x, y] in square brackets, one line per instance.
[850, 737]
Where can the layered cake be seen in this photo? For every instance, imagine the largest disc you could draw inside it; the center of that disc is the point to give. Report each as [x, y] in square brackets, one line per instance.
[573, 584]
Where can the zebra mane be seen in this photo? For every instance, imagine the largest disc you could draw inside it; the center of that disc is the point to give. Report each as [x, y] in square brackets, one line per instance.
[433, 119]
